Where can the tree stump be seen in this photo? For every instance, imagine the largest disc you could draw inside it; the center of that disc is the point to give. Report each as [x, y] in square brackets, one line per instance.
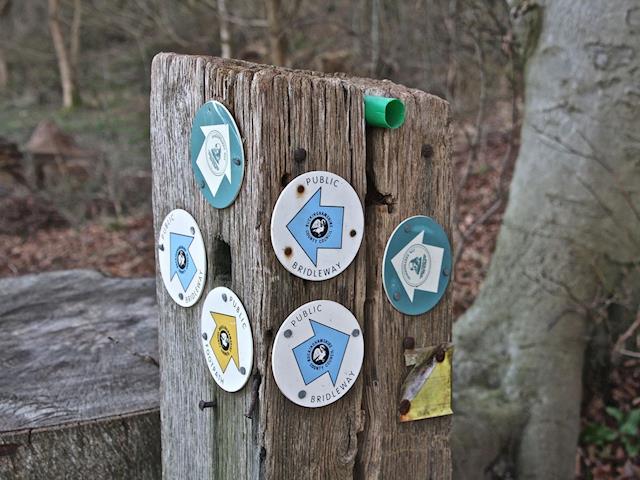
[79, 377]
[257, 432]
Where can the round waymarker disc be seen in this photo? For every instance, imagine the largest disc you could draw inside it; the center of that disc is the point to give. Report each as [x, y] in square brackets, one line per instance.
[226, 339]
[217, 156]
[417, 265]
[182, 257]
[317, 353]
[317, 225]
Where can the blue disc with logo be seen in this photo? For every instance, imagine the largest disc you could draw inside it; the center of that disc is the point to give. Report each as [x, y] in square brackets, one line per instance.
[417, 265]
[217, 156]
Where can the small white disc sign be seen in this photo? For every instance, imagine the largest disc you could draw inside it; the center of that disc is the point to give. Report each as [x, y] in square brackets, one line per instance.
[226, 339]
[317, 225]
[317, 353]
[182, 257]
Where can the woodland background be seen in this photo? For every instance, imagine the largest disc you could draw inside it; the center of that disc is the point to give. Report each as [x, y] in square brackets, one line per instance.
[74, 132]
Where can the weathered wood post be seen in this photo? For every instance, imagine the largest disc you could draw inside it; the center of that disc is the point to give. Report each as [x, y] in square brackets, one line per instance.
[257, 432]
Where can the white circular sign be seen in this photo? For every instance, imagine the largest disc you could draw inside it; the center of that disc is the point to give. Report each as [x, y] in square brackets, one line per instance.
[317, 225]
[317, 353]
[226, 339]
[182, 257]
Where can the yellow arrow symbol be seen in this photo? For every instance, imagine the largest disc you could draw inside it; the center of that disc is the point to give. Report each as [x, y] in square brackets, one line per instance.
[224, 340]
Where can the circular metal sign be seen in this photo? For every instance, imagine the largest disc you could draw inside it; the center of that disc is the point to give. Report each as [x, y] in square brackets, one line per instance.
[317, 353]
[182, 257]
[226, 339]
[317, 225]
[417, 265]
[217, 156]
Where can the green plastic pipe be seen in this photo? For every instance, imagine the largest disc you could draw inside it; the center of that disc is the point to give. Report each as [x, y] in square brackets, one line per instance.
[383, 112]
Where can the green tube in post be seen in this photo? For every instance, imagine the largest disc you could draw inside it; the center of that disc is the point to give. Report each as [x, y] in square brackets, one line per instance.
[383, 112]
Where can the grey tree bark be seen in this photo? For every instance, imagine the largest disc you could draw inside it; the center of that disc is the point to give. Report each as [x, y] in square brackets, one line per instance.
[568, 247]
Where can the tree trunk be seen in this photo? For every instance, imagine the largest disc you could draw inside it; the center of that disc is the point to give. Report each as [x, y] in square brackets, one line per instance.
[65, 67]
[257, 433]
[4, 70]
[225, 29]
[79, 378]
[278, 42]
[568, 245]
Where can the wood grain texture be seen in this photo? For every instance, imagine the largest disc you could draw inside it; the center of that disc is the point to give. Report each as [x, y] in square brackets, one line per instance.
[78, 383]
[278, 111]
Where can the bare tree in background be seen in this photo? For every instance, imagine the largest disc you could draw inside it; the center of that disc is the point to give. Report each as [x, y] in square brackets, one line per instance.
[225, 30]
[67, 56]
[5, 6]
[278, 40]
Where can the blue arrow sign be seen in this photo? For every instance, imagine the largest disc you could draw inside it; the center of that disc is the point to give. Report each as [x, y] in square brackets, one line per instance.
[317, 226]
[181, 260]
[321, 353]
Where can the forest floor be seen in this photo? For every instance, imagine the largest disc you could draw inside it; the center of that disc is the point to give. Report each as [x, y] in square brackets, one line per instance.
[36, 238]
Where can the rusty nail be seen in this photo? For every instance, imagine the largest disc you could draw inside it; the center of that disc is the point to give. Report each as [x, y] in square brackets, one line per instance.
[405, 406]
[352, 233]
[202, 404]
[440, 356]
[409, 343]
[300, 188]
[287, 251]
[300, 155]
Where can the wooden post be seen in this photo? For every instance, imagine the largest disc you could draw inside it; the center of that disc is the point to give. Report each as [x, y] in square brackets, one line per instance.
[257, 432]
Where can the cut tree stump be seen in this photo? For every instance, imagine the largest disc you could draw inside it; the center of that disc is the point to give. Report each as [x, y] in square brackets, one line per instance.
[257, 433]
[79, 377]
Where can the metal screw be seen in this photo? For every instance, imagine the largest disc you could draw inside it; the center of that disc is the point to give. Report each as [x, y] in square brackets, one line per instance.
[224, 297]
[352, 233]
[192, 230]
[302, 394]
[445, 272]
[287, 251]
[243, 370]
[407, 228]
[236, 161]
[161, 247]
[300, 188]
[396, 296]
[204, 336]
[300, 155]
[409, 343]
[405, 406]
[180, 296]
[287, 333]
[440, 356]
[355, 332]
[202, 404]
[202, 184]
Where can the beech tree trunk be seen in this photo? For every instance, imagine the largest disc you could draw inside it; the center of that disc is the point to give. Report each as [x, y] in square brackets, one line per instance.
[569, 245]
[225, 30]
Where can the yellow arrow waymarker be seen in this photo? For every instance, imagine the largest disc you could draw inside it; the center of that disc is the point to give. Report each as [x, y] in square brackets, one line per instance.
[224, 340]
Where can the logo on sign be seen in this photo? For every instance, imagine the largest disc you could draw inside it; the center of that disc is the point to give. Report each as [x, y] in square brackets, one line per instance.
[418, 266]
[317, 226]
[182, 264]
[322, 353]
[217, 152]
[224, 341]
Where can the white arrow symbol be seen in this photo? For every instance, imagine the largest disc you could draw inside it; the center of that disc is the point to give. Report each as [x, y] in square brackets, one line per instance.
[418, 266]
[215, 136]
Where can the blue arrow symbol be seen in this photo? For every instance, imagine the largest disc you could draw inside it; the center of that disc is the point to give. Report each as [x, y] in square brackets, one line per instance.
[317, 226]
[321, 353]
[181, 260]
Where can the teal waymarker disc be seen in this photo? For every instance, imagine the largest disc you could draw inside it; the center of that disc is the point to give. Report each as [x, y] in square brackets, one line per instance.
[217, 156]
[417, 265]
